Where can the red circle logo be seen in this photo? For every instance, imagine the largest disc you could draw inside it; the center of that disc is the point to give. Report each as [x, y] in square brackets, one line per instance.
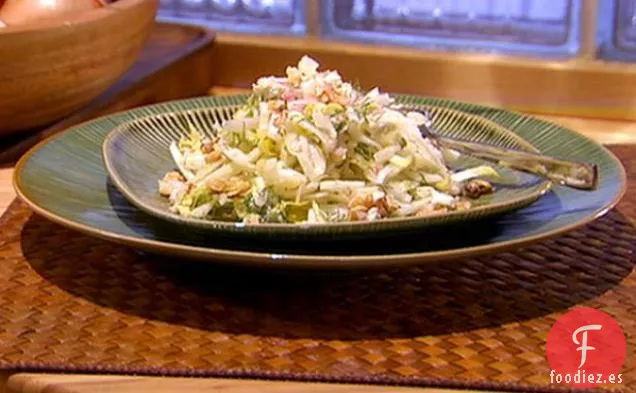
[586, 348]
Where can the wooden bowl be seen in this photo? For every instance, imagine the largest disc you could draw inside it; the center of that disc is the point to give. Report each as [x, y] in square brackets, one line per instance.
[52, 68]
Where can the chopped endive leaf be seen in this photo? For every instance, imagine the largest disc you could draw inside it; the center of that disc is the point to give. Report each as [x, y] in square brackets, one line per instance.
[401, 162]
[471, 173]
[450, 156]
[201, 196]
[334, 108]
[444, 185]
[240, 207]
[268, 147]
[316, 214]
[225, 212]
[365, 151]
[193, 142]
[432, 178]
[177, 157]
[296, 212]
[183, 210]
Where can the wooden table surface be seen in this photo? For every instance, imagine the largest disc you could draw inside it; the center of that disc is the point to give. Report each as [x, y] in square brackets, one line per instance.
[607, 132]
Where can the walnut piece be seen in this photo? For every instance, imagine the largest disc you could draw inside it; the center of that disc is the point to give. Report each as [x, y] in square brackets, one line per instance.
[174, 175]
[477, 187]
[210, 146]
[213, 156]
[361, 205]
[170, 182]
[232, 187]
[431, 210]
[462, 204]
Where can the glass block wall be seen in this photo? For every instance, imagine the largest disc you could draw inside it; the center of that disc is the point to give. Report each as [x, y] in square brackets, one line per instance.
[617, 30]
[550, 28]
[547, 27]
[247, 16]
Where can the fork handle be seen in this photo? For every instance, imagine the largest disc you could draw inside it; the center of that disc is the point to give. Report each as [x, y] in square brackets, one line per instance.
[567, 173]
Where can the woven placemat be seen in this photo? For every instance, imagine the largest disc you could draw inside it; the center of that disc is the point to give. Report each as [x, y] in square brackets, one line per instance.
[69, 302]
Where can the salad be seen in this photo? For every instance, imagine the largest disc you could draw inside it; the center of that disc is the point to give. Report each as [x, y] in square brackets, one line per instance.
[311, 148]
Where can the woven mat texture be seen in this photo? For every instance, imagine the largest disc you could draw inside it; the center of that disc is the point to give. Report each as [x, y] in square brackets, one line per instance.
[69, 302]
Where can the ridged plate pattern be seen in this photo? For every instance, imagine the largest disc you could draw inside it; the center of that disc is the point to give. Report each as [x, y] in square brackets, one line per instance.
[136, 155]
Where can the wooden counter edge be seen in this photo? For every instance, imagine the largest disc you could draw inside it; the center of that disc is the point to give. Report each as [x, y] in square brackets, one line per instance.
[51, 383]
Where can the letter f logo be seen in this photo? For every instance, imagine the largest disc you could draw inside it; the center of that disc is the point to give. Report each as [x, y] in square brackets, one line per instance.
[584, 347]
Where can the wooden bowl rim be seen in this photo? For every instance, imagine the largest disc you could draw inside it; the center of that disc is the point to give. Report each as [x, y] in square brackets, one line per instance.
[73, 20]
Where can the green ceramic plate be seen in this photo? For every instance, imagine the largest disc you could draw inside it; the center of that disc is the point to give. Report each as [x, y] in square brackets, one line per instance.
[136, 156]
[64, 180]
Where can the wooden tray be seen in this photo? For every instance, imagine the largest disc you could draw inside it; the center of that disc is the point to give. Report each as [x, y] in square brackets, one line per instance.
[175, 64]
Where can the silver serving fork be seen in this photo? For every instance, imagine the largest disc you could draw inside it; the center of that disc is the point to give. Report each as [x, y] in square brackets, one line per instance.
[578, 175]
